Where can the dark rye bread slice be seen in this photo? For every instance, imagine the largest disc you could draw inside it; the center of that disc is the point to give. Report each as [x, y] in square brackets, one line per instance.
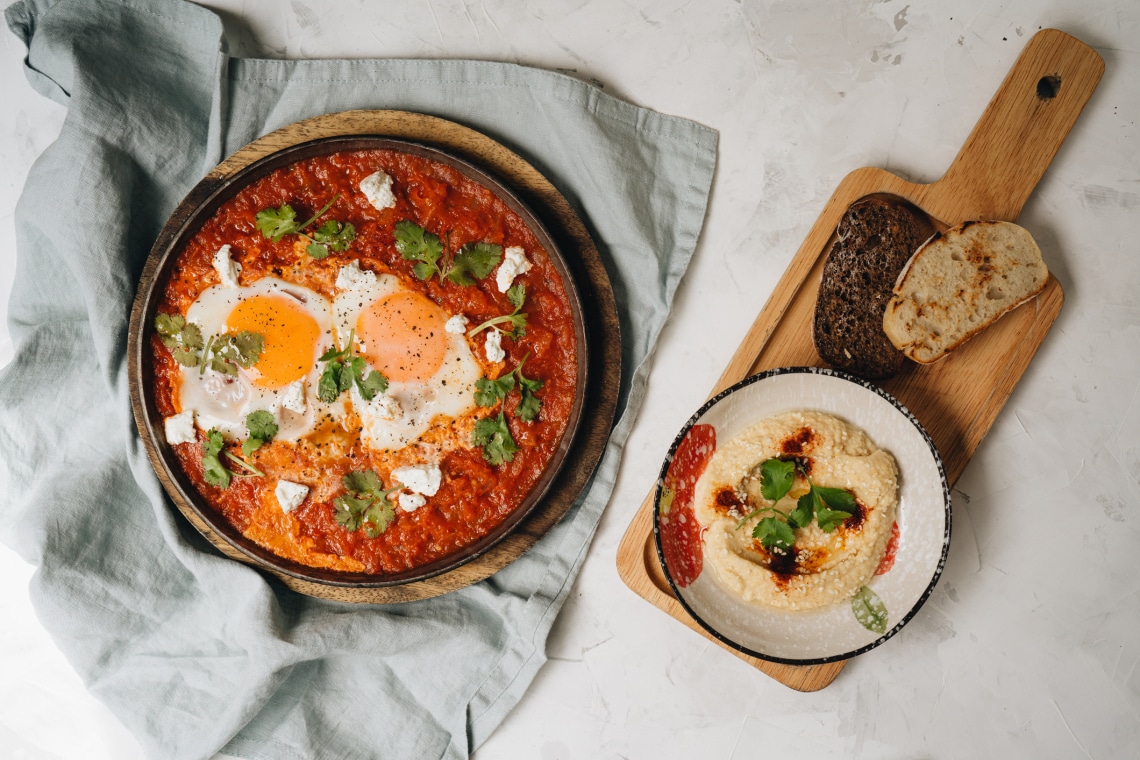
[875, 239]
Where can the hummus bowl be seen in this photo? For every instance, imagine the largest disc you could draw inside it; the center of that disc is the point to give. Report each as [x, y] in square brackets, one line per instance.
[731, 585]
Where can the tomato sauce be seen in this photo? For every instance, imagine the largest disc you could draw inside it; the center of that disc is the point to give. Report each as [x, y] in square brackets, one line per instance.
[892, 550]
[680, 532]
[475, 497]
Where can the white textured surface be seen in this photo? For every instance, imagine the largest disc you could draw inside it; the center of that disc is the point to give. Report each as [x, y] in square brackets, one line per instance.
[1031, 642]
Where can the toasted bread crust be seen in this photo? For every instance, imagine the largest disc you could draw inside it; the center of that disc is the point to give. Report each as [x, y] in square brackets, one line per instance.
[875, 240]
[960, 282]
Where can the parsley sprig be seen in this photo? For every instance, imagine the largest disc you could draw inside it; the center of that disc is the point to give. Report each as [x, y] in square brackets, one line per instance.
[829, 507]
[333, 235]
[221, 353]
[473, 261]
[345, 367]
[366, 504]
[492, 433]
[516, 320]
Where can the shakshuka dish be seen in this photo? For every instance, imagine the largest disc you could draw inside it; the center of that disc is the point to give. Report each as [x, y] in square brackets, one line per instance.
[364, 361]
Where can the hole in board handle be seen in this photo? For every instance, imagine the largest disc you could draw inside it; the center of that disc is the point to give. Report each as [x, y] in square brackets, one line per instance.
[1048, 87]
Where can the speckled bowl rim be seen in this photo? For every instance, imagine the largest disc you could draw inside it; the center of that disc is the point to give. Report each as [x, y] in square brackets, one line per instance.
[752, 380]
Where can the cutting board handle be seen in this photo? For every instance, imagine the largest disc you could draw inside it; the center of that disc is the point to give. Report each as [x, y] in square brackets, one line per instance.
[1022, 128]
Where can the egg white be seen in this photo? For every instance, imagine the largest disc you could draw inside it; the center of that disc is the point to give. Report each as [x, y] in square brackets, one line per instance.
[223, 402]
[450, 392]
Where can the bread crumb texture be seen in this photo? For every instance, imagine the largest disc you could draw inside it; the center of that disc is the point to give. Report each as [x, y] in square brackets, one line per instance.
[874, 240]
[960, 282]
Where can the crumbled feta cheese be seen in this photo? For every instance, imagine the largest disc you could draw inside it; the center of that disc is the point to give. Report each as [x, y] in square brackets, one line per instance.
[456, 325]
[180, 428]
[294, 397]
[494, 346]
[352, 277]
[227, 268]
[410, 502]
[290, 495]
[377, 188]
[419, 478]
[514, 264]
[231, 431]
[384, 406]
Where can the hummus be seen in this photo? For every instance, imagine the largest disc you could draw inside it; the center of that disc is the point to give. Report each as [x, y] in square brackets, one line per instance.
[820, 568]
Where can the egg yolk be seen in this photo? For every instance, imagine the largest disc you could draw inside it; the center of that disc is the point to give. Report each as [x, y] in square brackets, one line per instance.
[290, 335]
[402, 335]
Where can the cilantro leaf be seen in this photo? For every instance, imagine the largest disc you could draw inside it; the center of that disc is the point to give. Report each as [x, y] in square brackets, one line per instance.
[262, 427]
[492, 433]
[343, 368]
[802, 515]
[837, 498]
[415, 243]
[213, 471]
[191, 336]
[869, 610]
[841, 501]
[350, 511]
[474, 262]
[327, 386]
[277, 223]
[228, 352]
[336, 235]
[169, 326]
[829, 520]
[494, 436]
[363, 482]
[365, 505]
[491, 392]
[528, 407]
[332, 235]
[184, 340]
[378, 516]
[245, 348]
[317, 251]
[776, 477]
[774, 534]
[371, 385]
[517, 296]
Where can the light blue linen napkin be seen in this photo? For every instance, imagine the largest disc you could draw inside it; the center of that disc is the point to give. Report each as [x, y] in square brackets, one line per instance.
[195, 653]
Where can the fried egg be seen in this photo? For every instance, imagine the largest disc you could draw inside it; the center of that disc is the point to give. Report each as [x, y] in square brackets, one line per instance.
[296, 324]
[401, 333]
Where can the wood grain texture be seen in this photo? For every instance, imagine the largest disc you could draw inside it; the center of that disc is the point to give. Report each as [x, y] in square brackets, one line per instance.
[587, 269]
[958, 398]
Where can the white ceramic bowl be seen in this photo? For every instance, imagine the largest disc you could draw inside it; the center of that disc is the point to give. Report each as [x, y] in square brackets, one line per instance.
[830, 633]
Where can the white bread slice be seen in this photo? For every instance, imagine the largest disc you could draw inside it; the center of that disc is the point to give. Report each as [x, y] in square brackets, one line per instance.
[959, 282]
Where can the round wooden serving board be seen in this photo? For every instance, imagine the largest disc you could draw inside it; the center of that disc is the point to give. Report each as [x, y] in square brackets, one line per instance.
[589, 274]
[958, 398]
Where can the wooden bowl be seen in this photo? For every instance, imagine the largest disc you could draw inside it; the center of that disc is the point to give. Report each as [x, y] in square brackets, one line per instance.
[200, 205]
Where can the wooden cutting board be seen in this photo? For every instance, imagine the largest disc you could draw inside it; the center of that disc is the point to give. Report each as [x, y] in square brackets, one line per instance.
[958, 398]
